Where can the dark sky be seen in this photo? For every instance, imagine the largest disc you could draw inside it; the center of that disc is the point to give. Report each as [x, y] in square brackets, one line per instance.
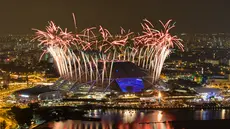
[19, 16]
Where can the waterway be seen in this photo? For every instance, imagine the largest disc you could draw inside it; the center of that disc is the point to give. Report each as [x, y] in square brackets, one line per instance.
[148, 119]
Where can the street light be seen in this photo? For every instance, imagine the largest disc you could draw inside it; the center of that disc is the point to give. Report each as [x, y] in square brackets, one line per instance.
[159, 96]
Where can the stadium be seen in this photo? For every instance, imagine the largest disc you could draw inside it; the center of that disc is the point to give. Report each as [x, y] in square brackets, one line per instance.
[126, 77]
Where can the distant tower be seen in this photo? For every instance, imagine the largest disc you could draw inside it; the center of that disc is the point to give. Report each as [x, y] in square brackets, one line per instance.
[221, 44]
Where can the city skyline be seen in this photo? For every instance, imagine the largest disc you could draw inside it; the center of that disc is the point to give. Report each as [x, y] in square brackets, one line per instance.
[19, 17]
[114, 64]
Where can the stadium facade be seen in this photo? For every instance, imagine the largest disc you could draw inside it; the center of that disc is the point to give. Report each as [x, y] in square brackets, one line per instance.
[37, 93]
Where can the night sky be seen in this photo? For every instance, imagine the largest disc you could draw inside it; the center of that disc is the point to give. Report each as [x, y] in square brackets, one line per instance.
[191, 16]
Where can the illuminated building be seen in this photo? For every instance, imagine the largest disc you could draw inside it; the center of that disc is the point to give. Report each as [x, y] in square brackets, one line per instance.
[38, 93]
[208, 94]
[126, 77]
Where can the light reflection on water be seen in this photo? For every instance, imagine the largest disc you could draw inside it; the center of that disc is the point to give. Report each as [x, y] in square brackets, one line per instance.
[134, 119]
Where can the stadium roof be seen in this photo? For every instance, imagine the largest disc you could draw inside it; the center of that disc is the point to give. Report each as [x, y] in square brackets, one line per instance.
[125, 70]
[35, 90]
[207, 90]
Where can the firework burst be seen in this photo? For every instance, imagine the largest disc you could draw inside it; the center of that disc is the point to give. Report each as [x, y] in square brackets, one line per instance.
[78, 56]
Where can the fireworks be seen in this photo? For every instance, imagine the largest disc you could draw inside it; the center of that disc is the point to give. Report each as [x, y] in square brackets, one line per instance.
[84, 57]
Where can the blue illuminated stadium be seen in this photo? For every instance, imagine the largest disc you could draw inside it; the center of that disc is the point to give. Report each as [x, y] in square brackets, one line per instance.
[130, 84]
[125, 77]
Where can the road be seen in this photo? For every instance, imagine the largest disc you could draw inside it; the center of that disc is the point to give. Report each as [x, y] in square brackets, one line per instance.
[10, 122]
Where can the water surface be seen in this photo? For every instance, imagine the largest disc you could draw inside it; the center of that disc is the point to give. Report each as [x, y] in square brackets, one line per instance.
[148, 119]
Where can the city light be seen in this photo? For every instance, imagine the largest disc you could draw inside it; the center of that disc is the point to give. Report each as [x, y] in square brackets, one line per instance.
[159, 94]
[25, 96]
[146, 74]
